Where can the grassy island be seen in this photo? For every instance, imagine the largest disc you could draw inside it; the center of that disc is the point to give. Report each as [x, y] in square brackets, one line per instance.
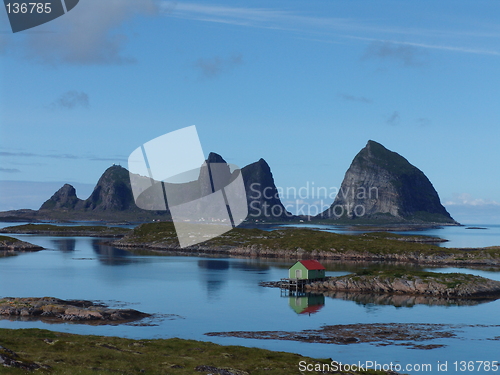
[300, 243]
[400, 281]
[56, 353]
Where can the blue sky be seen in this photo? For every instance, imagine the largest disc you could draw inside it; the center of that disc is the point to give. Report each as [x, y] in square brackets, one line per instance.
[302, 84]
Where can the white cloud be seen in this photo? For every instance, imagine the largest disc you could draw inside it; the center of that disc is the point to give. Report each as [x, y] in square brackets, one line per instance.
[465, 199]
[84, 36]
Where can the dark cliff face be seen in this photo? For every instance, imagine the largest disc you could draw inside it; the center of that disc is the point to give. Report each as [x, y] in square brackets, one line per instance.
[262, 196]
[112, 192]
[381, 184]
[63, 199]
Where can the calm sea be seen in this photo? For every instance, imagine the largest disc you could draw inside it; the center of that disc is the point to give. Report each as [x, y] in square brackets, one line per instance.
[192, 296]
[457, 236]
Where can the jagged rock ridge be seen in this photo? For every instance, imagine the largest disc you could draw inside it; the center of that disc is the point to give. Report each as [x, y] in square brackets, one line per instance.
[383, 185]
[113, 193]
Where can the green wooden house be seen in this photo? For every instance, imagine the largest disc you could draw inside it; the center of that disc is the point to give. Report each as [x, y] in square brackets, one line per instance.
[307, 270]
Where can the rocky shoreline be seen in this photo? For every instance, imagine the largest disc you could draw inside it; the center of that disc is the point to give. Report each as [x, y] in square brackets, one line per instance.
[427, 284]
[464, 257]
[13, 244]
[74, 231]
[421, 336]
[54, 310]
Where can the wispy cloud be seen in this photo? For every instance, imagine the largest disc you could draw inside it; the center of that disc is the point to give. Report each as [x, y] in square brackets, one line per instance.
[336, 28]
[465, 199]
[352, 98]
[9, 170]
[61, 156]
[71, 99]
[30, 154]
[394, 119]
[117, 159]
[406, 54]
[210, 68]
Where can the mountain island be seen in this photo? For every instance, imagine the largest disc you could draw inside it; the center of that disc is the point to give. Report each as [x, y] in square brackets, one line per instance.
[380, 186]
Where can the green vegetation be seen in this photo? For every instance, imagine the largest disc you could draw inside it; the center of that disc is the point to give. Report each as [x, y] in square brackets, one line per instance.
[58, 230]
[8, 239]
[63, 353]
[153, 232]
[451, 280]
[305, 239]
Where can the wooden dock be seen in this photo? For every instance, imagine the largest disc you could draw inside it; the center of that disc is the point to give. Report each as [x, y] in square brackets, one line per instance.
[294, 287]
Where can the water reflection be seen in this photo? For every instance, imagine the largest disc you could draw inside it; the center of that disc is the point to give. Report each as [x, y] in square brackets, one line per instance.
[213, 275]
[65, 245]
[251, 267]
[366, 299]
[306, 303]
[112, 256]
[209, 264]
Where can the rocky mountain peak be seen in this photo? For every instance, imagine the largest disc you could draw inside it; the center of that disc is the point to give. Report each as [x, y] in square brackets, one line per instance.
[381, 184]
[215, 158]
[64, 199]
[262, 195]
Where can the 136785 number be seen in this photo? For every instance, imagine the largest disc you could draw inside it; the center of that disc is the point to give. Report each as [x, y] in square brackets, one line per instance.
[28, 7]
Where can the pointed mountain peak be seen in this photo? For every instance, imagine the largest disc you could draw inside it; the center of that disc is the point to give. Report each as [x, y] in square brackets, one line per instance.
[262, 195]
[215, 158]
[64, 198]
[381, 184]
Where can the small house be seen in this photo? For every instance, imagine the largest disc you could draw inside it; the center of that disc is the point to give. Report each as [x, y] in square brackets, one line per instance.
[307, 270]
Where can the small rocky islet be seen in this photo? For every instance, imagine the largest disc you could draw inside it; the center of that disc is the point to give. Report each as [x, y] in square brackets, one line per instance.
[404, 282]
[455, 285]
[10, 244]
[55, 310]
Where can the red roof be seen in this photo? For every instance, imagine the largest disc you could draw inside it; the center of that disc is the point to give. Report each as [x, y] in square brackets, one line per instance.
[312, 265]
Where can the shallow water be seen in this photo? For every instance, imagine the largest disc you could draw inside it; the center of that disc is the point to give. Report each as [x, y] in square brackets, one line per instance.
[215, 294]
[457, 236]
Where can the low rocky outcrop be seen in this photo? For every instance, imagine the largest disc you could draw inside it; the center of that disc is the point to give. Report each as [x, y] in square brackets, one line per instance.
[9, 358]
[54, 310]
[422, 283]
[13, 244]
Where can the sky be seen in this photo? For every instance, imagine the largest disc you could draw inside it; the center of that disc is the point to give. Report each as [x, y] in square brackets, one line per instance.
[303, 85]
